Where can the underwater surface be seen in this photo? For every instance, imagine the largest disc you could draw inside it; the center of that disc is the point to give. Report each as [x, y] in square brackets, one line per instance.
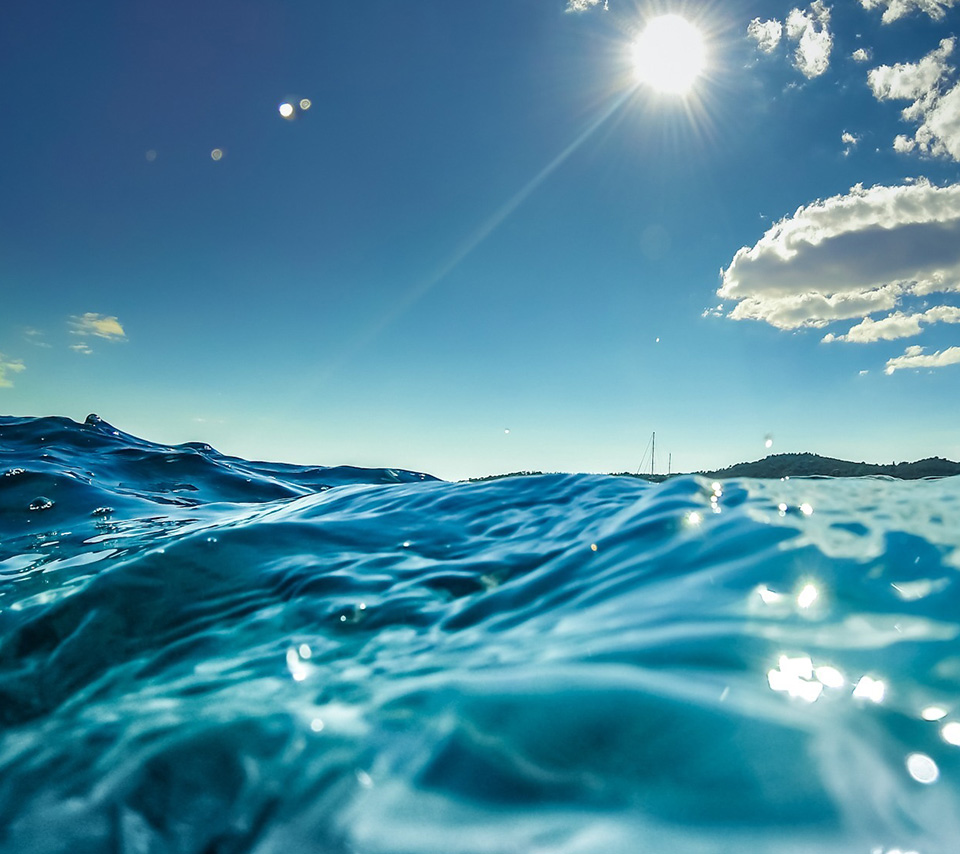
[208, 655]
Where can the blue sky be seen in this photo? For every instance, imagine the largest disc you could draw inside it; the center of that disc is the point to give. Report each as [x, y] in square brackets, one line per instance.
[485, 245]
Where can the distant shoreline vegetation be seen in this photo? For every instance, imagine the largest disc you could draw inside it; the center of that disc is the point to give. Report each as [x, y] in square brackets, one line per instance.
[796, 465]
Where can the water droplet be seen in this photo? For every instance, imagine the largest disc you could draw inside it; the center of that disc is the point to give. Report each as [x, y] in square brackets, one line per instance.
[933, 713]
[151, 155]
[216, 154]
[922, 768]
[305, 104]
[40, 503]
[286, 110]
[316, 725]
[951, 733]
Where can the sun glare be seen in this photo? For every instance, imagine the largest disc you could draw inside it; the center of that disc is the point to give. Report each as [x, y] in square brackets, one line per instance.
[669, 56]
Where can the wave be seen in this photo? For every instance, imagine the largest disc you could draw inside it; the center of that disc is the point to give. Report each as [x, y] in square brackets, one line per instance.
[200, 653]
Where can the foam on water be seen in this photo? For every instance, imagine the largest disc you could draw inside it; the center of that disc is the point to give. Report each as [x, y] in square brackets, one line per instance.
[204, 654]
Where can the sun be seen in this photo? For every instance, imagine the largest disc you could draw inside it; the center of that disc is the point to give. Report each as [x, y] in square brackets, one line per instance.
[670, 55]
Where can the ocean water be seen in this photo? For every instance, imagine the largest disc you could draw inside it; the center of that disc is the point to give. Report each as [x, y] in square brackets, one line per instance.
[208, 655]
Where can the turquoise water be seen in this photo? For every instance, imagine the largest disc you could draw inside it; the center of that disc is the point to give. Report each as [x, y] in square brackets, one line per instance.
[204, 654]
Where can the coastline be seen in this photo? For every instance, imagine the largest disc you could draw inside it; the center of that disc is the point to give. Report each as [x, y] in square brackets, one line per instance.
[778, 466]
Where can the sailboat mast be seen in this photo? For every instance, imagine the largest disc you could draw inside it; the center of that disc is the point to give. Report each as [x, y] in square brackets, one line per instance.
[653, 453]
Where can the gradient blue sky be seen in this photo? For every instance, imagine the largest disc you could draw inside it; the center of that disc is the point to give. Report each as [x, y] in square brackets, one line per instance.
[485, 246]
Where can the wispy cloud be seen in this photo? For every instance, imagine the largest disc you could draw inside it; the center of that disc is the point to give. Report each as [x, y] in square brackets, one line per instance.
[35, 337]
[936, 104]
[861, 54]
[849, 256]
[914, 357]
[99, 325]
[7, 367]
[896, 9]
[808, 29]
[81, 348]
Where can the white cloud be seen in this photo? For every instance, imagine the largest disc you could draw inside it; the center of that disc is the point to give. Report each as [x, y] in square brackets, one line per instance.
[850, 256]
[849, 141]
[582, 5]
[811, 31]
[910, 80]
[81, 348]
[9, 366]
[895, 9]
[766, 34]
[914, 357]
[935, 108]
[897, 325]
[903, 144]
[100, 325]
[861, 54]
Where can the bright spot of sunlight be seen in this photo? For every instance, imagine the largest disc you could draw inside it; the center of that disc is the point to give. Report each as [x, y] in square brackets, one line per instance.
[670, 55]
[830, 676]
[286, 110]
[871, 689]
[794, 676]
[807, 596]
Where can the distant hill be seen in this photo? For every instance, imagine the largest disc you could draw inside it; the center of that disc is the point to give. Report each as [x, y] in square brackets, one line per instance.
[811, 465]
[799, 465]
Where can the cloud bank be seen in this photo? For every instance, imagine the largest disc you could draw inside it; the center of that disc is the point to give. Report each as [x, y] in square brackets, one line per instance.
[852, 256]
[935, 103]
[7, 367]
